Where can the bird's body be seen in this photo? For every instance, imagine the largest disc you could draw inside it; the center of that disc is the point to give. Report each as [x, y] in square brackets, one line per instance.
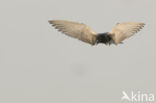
[82, 32]
[104, 38]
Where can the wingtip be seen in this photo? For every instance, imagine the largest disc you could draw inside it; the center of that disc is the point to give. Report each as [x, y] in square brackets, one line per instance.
[143, 23]
[50, 21]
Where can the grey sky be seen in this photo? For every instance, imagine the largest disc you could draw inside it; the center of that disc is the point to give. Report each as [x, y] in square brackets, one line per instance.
[40, 65]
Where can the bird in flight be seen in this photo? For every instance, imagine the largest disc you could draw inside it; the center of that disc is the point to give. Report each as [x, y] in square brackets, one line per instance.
[82, 32]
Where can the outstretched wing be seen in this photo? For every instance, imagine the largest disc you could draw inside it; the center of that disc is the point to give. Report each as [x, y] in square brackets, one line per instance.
[75, 30]
[122, 31]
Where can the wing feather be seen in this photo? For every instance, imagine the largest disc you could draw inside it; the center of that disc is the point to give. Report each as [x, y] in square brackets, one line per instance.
[75, 30]
[125, 30]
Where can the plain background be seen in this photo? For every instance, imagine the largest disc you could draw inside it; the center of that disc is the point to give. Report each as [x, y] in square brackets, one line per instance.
[40, 65]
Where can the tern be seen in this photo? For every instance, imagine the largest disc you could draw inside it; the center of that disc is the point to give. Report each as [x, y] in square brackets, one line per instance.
[82, 32]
